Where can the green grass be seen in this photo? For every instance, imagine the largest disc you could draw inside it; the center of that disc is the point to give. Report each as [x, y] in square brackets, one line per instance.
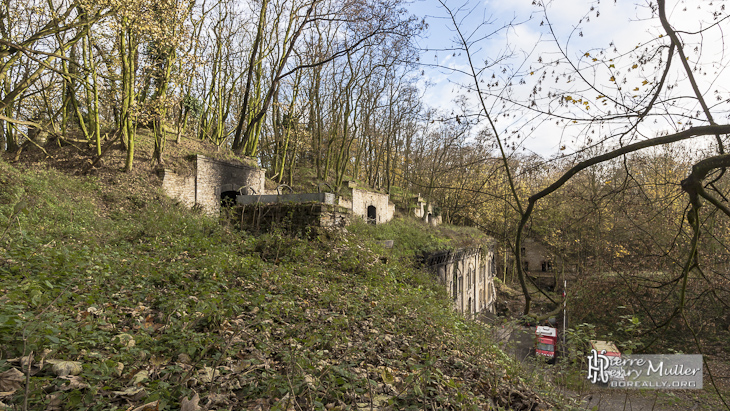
[157, 302]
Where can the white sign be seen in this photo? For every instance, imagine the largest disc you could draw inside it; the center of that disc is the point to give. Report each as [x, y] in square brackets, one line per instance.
[547, 331]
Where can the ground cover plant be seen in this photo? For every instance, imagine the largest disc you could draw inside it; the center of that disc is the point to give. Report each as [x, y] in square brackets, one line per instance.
[116, 299]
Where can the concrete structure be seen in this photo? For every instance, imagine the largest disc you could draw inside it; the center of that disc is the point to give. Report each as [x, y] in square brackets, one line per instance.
[535, 257]
[373, 207]
[538, 264]
[210, 181]
[468, 275]
[428, 210]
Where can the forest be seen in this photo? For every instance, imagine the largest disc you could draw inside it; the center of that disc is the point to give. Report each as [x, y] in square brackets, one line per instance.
[631, 198]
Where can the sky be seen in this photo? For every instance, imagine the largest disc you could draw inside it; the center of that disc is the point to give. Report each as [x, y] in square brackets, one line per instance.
[605, 39]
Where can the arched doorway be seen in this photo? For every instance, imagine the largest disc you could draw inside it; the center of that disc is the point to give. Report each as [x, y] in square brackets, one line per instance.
[372, 215]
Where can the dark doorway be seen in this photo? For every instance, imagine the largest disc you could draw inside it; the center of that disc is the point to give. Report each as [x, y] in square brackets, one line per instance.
[428, 218]
[228, 198]
[372, 215]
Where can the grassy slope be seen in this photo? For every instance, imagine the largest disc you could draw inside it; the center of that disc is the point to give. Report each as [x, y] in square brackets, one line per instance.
[158, 303]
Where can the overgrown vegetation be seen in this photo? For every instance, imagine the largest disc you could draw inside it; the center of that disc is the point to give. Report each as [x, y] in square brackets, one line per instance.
[110, 300]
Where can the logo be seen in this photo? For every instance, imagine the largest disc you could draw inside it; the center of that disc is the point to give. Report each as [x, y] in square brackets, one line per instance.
[658, 371]
[598, 366]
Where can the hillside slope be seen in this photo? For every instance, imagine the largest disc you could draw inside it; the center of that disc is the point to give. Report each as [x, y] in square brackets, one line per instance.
[121, 299]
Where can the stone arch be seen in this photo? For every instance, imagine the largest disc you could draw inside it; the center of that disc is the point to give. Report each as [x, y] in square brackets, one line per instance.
[442, 274]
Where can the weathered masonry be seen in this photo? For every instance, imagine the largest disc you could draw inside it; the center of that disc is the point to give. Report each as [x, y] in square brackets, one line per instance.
[375, 208]
[426, 210]
[468, 274]
[537, 263]
[210, 182]
[371, 206]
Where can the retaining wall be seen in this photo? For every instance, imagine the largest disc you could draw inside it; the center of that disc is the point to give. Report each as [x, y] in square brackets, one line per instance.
[291, 216]
[468, 275]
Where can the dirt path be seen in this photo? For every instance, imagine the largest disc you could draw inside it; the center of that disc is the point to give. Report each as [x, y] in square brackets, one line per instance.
[632, 400]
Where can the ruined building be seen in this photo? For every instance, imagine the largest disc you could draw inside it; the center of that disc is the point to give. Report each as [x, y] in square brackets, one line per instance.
[468, 275]
[210, 181]
[425, 210]
[371, 206]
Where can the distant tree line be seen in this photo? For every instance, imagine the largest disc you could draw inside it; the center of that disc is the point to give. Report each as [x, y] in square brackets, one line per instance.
[326, 83]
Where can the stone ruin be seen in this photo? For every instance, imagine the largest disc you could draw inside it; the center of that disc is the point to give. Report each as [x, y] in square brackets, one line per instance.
[212, 182]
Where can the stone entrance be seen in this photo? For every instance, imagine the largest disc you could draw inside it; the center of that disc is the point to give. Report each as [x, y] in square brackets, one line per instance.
[372, 215]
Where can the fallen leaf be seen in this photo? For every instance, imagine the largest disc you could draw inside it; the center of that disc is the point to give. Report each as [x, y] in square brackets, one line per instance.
[10, 381]
[54, 401]
[140, 377]
[150, 406]
[285, 403]
[217, 400]
[125, 340]
[387, 376]
[75, 383]
[158, 361]
[191, 404]
[118, 369]
[206, 374]
[61, 367]
[129, 391]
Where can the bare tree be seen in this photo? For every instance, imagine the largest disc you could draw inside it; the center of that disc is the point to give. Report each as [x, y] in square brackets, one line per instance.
[612, 106]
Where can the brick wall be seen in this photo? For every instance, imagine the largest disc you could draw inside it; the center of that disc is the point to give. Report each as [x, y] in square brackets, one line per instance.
[179, 187]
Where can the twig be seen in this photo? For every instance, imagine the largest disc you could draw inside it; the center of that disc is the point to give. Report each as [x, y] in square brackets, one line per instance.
[27, 381]
[370, 389]
[218, 361]
[10, 224]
